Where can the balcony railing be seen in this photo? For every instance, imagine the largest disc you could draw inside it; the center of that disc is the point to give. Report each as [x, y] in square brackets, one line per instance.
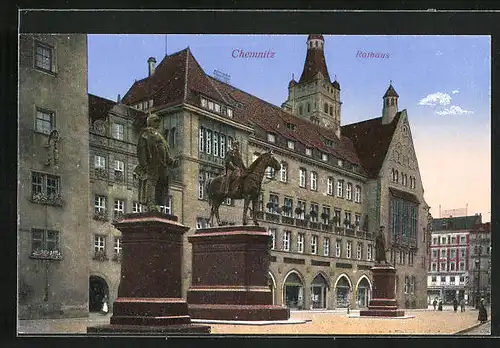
[117, 257]
[259, 214]
[301, 222]
[101, 215]
[326, 227]
[118, 216]
[314, 225]
[101, 172]
[100, 256]
[42, 254]
[272, 217]
[50, 199]
[339, 230]
[287, 220]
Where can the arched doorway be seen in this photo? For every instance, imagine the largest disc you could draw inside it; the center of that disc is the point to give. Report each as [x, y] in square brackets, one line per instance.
[319, 288]
[98, 288]
[342, 288]
[363, 293]
[272, 286]
[293, 291]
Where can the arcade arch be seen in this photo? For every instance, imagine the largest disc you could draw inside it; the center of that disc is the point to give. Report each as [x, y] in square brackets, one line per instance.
[343, 287]
[293, 290]
[363, 291]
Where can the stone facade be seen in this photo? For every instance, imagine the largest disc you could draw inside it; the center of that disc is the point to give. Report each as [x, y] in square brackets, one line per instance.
[54, 219]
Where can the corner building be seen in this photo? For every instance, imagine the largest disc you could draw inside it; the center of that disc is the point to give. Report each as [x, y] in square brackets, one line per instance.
[53, 190]
[337, 184]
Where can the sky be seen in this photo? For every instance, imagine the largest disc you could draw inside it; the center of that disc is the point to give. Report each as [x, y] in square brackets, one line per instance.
[443, 82]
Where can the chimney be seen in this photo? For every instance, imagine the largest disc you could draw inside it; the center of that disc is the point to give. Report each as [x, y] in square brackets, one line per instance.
[151, 65]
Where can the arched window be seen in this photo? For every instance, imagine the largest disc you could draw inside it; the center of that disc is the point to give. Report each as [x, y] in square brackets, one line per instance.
[325, 108]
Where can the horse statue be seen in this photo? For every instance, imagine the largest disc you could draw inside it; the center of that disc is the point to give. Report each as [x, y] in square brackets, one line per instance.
[249, 188]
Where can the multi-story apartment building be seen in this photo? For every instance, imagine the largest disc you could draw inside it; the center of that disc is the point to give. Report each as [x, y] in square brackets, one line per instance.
[54, 220]
[449, 258]
[479, 285]
[337, 184]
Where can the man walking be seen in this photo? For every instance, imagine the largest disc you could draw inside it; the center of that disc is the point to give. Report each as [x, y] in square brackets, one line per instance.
[434, 303]
[462, 305]
[455, 304]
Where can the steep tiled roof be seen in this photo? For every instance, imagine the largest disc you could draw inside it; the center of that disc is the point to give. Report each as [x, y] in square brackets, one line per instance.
[270, 118]
[315, 62]
[99, 107]
[371, 138]
[456, 223]
[177, 78]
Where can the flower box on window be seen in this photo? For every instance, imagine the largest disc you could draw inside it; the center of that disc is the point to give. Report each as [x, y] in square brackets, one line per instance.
[119, 175]
[117, 257]
[101, 172]
[46, 254]
[100, 256]
[52, 199]
[101, 215]
[117, 216]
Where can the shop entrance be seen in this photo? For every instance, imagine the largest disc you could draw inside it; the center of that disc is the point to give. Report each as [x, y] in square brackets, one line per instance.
[342, 291]
[98, 288]
[319, 289]
[294, 292]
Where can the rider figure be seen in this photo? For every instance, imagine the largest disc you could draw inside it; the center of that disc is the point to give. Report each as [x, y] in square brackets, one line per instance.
[234, 167]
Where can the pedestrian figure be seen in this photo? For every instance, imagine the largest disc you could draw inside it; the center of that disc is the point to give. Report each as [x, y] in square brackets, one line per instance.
[105, 309]
[434, 303]
[483, 315]
[455, 304]
[440, 305]
[462, 305]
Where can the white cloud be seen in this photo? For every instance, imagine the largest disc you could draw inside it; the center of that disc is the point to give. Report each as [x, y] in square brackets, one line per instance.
[439, 53]
[453, 110]
[436, 98]
[455, 91]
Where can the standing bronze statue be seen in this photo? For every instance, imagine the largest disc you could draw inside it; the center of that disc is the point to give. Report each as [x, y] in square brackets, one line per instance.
[380, 247]
[234, 168]
[154, 164]
[245, 184]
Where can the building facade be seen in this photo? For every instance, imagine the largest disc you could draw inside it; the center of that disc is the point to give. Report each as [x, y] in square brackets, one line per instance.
[449, 263]
[332, 192]
[479, 285]
[54, 220]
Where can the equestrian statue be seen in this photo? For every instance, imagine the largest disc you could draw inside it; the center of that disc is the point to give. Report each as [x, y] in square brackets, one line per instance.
[239, 182]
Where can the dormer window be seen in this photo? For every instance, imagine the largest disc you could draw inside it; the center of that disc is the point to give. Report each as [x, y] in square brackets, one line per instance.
[203, 102]
[271, 137]
[139, 106]
[210, 105]
[291, 126]
[150, 103]
[290, 144]
[217, 107]
[308, 152]
[324, 157]
[329, 142]
[229, 112]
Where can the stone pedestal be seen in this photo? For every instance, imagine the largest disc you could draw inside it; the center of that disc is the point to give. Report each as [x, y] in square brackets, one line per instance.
[383, 302]
[230, 270]
[150, 291]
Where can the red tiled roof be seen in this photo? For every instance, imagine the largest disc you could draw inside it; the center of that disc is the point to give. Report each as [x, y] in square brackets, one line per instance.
[257, 112]
[168, 83]
[371, 138]
[315, 62]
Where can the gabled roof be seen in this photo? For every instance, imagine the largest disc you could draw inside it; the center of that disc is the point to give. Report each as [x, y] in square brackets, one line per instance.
[371, 139]
[314, 63]
[270, 118]
[177, 78]
[99, 109]
[456, 223]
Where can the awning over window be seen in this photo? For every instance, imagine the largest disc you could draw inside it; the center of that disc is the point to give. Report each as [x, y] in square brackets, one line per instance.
[404, 195]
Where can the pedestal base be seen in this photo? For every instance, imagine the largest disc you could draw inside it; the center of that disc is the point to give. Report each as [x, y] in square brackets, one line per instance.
[149, 295]
[383, 303]
[239, 312]
[230, 275]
